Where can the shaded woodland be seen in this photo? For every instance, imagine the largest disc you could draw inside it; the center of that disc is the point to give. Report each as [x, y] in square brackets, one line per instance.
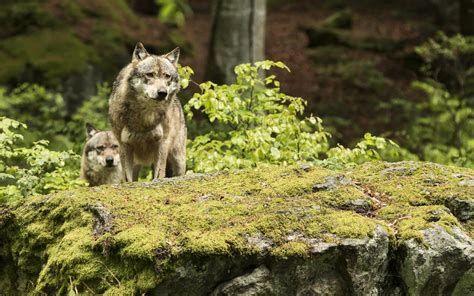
[349, 82]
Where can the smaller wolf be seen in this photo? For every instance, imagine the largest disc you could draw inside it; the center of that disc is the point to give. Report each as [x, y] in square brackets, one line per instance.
[100, 158]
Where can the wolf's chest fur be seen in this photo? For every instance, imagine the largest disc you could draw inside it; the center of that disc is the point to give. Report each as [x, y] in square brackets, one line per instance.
[143, 124]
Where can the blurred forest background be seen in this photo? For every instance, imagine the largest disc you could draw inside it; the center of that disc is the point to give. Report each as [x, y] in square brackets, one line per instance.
[402, 70]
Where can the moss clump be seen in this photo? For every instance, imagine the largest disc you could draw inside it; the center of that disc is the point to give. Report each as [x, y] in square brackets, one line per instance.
[54, 53]
[424, 217]
[339, 20]
[291, 249]
[132, 237]
[417, 183]
[416, 192]
[18, 17]
[45, 41]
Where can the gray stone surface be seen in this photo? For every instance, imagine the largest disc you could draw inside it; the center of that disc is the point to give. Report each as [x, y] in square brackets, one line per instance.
[256, 282]
[439, 264]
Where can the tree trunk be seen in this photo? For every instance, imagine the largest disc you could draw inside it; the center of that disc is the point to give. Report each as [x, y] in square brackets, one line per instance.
[466, 17]
[238, 36]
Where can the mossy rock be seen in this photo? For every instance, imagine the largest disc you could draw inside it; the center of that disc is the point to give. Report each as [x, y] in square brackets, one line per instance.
[202, 234]
[48, 41]
[321, 36]
[53, 54]
[324, 35]
[339, 20]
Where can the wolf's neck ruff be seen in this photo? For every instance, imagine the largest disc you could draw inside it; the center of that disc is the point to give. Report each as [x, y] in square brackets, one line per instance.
[144, 114]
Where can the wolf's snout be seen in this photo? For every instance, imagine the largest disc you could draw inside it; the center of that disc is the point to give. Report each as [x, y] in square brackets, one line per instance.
[109, 161]
[162, 94]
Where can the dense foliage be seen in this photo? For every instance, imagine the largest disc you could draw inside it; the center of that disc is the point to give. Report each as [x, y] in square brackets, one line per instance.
[173, 11]
[43, 111]
[46, 114]
[441, 124]
[256, 123]
[27, 170]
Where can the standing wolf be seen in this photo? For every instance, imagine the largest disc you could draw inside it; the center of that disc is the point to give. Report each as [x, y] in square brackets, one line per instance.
[147, 117]
[100, 158]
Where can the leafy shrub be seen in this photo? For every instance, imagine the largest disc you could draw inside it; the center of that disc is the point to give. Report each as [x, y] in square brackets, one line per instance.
[46, 115]
[369, 148]
[185, 75]
[173, 11]
[43, 111]
[441, 124]
[32, 170]
[93, 110]
[254, 123]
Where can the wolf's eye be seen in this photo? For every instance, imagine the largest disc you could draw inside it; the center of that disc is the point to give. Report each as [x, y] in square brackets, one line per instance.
[150, 75]
[114, 146]
[167, 76]
[100, 148]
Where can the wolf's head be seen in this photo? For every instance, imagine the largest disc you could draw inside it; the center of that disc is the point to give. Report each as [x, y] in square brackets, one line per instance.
[102, 148]
[154, 77]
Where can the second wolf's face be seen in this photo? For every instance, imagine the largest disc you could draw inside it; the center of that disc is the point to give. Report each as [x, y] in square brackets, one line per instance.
[154, 78]
[102, 149]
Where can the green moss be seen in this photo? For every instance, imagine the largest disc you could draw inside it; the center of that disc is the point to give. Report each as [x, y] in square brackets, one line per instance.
[47, 41]
[348, 224]
[420, 218]
[128, 238]
[18, 17]
[417, 192]
[417, 183]
[71, 11]
[339, 20]
[112, 10]
[342, 197]
[138, 242]
[11, 67]
[469, 227]
[55, 53]
[291, 249]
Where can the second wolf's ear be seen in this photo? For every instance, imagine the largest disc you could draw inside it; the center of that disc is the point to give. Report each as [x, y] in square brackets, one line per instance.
[90, 130]
[173, 56]
[139, 53]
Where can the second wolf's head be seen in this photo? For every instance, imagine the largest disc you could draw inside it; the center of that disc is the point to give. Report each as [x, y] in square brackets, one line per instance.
[101, 158]
[154, 78]
[102, 147]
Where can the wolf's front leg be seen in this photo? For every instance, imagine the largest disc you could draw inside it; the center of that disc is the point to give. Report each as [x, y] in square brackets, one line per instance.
[176, 161]
[160, 163]
[126, 157]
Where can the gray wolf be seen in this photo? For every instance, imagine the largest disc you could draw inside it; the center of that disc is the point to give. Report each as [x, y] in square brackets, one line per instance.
[100, 158]
[147, 117]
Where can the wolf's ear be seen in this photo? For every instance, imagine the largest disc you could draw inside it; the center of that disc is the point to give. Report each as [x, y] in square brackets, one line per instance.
[173, 56]
[139, 53]
[90, 130]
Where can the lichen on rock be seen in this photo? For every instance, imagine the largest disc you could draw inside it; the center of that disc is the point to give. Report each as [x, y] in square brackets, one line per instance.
[271, 230]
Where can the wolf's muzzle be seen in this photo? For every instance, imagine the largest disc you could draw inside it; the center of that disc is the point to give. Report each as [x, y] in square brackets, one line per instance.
[109, 161]
[161, 95]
